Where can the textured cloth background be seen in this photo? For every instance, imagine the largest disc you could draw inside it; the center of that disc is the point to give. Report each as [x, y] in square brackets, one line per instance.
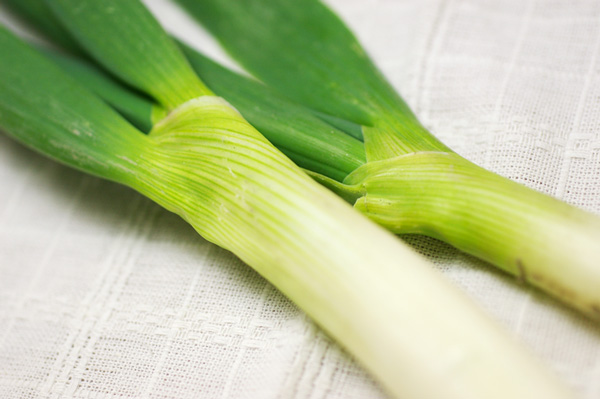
[105, 295]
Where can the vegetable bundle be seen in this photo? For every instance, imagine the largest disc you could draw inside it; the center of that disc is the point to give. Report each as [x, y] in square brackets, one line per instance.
[329, 110]
[205, 163]
[411, 182]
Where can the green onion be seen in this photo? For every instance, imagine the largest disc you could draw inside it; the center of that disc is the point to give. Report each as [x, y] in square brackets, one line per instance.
[309, 138]
[45, 23]
[303, 49]
[302, 135]
[307, 53]
[206, 163]
[139, 109]
[524, 247]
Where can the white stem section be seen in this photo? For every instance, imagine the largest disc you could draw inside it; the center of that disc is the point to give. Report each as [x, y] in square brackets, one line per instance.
[385, 304]
[543, 241]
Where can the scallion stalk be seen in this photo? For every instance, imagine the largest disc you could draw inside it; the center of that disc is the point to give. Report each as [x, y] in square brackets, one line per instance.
[206, 163]
[312, 140]
[307, 53]
[511, 242]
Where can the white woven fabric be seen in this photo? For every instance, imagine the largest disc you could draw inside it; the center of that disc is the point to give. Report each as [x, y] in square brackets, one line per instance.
[105, 295]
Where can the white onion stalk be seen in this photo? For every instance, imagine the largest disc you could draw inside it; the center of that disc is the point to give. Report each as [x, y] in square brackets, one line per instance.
[420, 336]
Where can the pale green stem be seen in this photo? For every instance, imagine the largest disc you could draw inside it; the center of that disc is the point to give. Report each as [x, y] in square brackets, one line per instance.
[543, 241]
[380, 300]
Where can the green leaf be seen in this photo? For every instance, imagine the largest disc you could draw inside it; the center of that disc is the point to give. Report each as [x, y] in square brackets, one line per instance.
[346, 126]
[39, 16]
[292, 128]
[136, 107]
[276, 39]
[50, 112]
[303, 50]
[127, 40]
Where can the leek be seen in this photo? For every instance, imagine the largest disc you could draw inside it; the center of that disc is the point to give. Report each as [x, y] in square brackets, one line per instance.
[528, 241]
[206, 163]
[301, 134]
[411, 182]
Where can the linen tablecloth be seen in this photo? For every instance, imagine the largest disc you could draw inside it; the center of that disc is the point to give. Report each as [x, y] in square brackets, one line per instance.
[103, 294]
